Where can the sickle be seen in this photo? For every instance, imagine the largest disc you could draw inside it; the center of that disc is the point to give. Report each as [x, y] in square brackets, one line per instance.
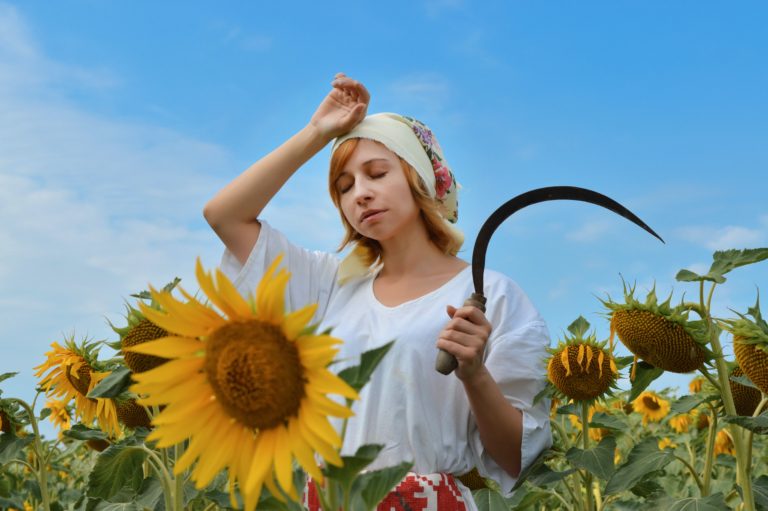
[445, 362]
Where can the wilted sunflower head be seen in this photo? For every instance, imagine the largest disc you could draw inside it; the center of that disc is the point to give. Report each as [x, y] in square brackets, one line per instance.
[7, 424]
[245, 383]
[666, 443]
[658, 333]
[724, 443]
[139, 330]
[71, 372]
[61, 416]
[750, 344]
[580, 367]
[745, 398]
[651, 406]
[681, 423]
[132, 415]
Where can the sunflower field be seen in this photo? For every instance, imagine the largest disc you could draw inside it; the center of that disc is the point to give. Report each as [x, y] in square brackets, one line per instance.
[221, 402]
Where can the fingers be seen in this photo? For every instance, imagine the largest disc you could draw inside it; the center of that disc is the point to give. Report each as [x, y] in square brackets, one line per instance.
[351, 88]
[468, 319]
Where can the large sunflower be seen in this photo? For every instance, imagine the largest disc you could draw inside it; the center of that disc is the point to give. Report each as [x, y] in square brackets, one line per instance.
[246, 386]
[750, 345]
[72, 373]
[651, 406]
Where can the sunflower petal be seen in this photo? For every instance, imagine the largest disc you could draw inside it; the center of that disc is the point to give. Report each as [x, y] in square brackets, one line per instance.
[319, 425]
[327, 406]
[168, 347]
[229, 293]
[262, 461]
[325, 381]
[303, 452]
[283, 460]
[296, 321]
[206, 284]
[171, 323]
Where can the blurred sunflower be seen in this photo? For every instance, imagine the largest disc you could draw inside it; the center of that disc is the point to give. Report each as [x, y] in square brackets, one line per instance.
[681, 423]
[666, 442]
[724, 443]
[247, 387]
[651, 406]
[750, 345]
[595, 434]
[695, 385]
[71, 374]
[60, 415]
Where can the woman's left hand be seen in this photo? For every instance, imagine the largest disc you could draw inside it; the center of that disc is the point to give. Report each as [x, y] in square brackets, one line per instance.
[465, 337]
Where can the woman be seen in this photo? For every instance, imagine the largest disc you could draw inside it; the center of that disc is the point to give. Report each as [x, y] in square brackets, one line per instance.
[403, 281]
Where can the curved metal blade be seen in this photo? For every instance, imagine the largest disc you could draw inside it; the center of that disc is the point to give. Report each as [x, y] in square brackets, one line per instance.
[534, 197]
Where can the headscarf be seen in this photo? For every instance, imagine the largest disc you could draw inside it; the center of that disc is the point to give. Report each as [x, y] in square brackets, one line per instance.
[415, 143]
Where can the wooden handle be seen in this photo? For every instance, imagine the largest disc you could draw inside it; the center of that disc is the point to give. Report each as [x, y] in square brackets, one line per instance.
[445, 363]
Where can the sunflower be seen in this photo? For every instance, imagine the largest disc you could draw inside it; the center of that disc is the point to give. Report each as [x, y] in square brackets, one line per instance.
[750, 344]
[746, 399]
[681, 423]
[595, 434]
[666, 442]
[246, 386]
[580, 368]
[60, 414]
[6, 426]
[132, 415]
[658, 333]
[695, 385]
[72, 373]
[651, 406]
[724, 443]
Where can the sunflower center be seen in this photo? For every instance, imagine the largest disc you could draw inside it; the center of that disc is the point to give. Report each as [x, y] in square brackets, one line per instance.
[651, 403]
[80, 381]
[255, 373]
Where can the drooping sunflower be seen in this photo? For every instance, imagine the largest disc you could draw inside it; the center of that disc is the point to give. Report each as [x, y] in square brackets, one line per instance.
[6, 426]
[595, 434]
[72, 372]
[681, 423]
[658, 333]
[666, 442]
[246, 385]
[724, 443]
[746, 399]
[651, 406]
[61, 416]
[695, 385]
[581, 368]
[750, 344]
[132, 415]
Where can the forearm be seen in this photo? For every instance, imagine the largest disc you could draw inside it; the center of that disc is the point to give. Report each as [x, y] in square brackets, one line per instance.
[499, 423]
[243, 199]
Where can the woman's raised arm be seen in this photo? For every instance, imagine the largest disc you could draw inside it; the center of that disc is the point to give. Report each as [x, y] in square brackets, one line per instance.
[233, 211]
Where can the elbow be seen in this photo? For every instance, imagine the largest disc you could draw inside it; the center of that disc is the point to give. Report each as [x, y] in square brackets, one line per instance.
[210, 215]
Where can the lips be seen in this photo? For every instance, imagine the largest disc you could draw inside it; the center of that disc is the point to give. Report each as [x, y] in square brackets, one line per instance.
[369, 213]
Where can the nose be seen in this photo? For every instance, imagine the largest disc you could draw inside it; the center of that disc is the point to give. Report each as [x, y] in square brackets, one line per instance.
[361, 191]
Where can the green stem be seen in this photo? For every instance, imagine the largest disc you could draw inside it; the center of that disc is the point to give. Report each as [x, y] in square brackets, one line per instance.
[710, 452]
[179, 483]
[712, 380]
[42, 472]
[162, 472]
[561, 433]
[759, 409]
[692, 471]
[585, 444]
[555, 494]
[742, 469]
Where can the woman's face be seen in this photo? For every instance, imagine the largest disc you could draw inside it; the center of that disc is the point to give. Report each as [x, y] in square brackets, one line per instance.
[375, 197]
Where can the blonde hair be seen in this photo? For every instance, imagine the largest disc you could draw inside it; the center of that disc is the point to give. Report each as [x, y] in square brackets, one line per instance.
[370, 250]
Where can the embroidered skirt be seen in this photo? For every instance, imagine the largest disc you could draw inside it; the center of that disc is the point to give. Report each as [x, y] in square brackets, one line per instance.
[417, 492]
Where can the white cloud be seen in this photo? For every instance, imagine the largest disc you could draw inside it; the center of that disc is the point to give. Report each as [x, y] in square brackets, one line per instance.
[727, 237]
[591, 231]
[423, 90]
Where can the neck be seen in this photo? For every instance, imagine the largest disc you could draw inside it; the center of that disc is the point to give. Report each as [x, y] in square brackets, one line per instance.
[412, 253]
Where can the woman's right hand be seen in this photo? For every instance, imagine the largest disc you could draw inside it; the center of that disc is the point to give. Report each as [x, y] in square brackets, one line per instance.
[342, 109]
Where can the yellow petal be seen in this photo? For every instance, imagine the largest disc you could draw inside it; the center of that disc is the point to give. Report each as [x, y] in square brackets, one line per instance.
[206, 284]
[296, 321]
[283, 459]
[329, 453]
[232, 296]
[180, 411]
[590, 354]
[328, 406]
[168, 347]
[175, 370]
[580, 354]
[171, 323]
[270, 306]
[325, 381]
[303, 452]
[319, 424]
[184, 312]
[564, 360]
[209, 466]
[600, 359]
[317, 341]
[262, 461]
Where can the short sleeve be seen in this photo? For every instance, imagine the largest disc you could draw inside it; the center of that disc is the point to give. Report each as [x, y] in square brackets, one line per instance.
[515, 358]
[313, 273]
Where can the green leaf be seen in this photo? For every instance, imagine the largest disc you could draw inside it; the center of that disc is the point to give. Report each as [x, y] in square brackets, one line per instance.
[118, 466]
[150, 493]
[102, 505]
[579, 327]
[727, 260]
[5, 376]
[760, 492]
[608, 421]
[80, 432]
[370, 488]
[687, 403]
[644, 457]
[743, 380]
[113, 385]
[714, 502]
[542, 475]
[487, 500]
[598, 460]
[44, 413]
[526, 497]
[648, 489]
[757, 424]
[688, 276]
[353, 465]
[11, 446]
[358, 376]
[570, 409]
[531, 469]
[644, 375]
[11, 504]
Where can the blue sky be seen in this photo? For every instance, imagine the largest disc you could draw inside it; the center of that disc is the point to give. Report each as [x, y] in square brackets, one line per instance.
[119, 120]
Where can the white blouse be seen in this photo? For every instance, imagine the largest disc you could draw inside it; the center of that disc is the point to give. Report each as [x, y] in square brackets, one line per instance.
[420, 415]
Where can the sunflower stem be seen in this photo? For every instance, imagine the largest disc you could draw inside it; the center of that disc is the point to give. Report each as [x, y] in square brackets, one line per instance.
[692, 471]
[162, 472]
[709, 454]
[555, 494]
[42, 473]
[585, 444]
[759, 409]
[742, 469]
[179, 483]
[561, 433]
[709, 377]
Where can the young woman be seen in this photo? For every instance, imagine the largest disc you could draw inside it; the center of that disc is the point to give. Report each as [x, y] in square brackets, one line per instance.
[402, 281]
